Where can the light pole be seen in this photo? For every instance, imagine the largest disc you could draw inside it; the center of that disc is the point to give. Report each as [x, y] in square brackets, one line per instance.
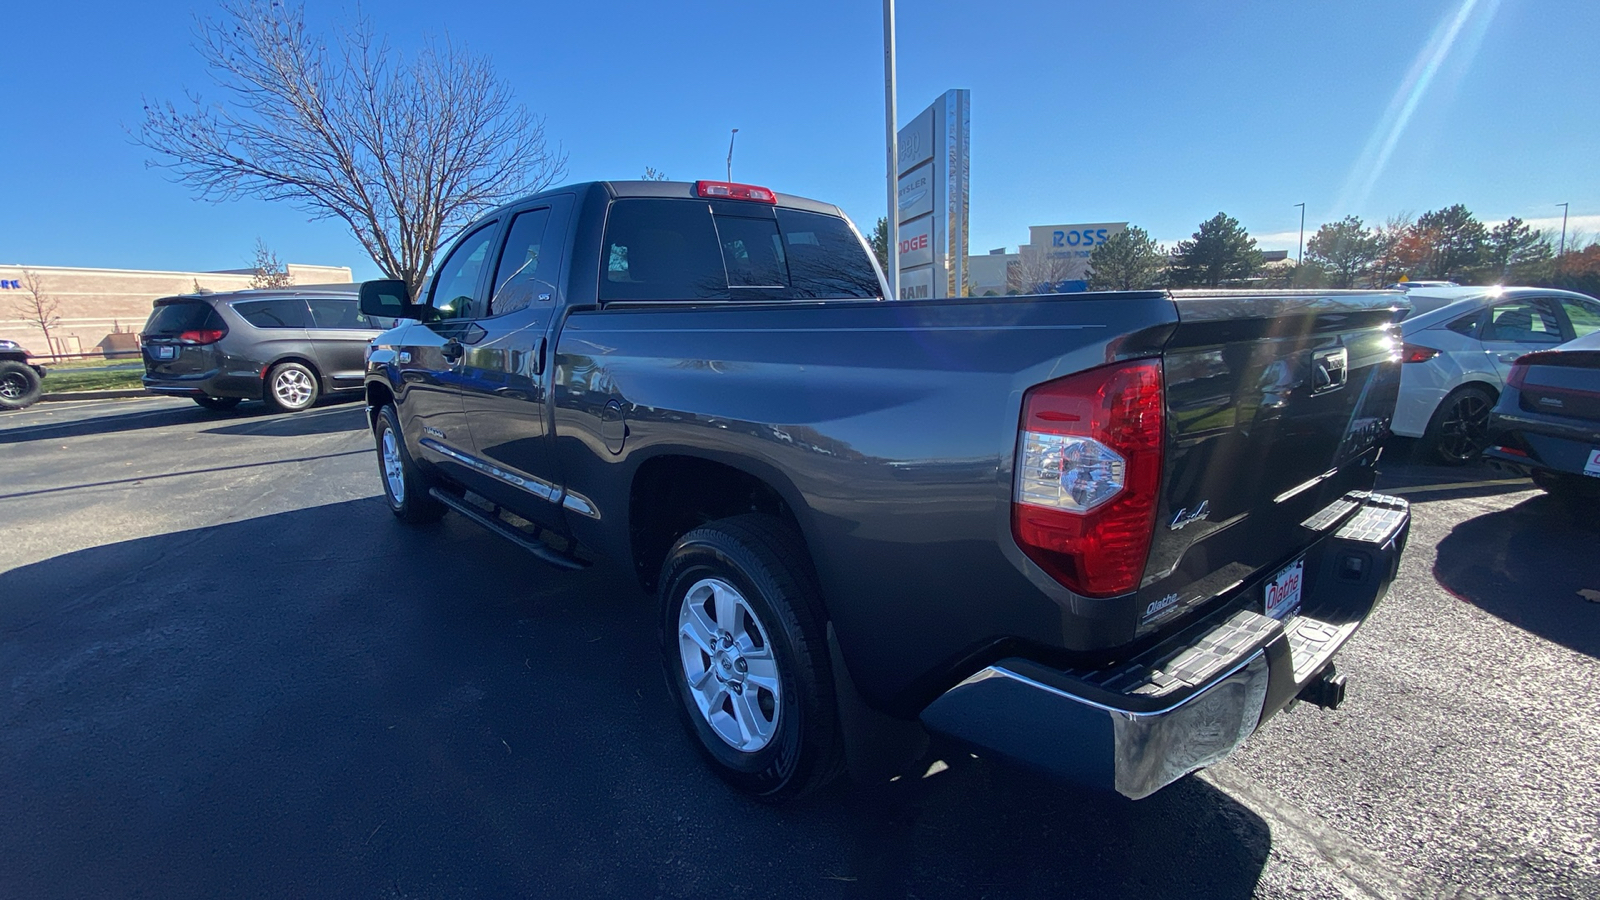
[891, 116]
[1563, 249]
[730, 152]
[1300, 250]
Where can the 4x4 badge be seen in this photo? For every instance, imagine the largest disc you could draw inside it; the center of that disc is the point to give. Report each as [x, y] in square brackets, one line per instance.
[1185, 517]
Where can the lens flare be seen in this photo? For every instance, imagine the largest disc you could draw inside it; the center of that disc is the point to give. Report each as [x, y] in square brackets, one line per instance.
[1413, 88]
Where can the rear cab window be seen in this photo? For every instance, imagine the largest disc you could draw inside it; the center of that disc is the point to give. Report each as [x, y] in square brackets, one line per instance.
[658, 249]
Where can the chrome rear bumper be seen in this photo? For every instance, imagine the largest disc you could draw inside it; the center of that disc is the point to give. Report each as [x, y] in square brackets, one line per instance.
[1191, 700]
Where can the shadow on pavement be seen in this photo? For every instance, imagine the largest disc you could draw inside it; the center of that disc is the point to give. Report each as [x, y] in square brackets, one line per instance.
[1401, 472]
[328, 703]
[1526, 565]
[317, 421]
[166, 416]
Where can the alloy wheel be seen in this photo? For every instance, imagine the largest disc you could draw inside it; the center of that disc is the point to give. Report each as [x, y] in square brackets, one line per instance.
[394, 473]
[728, 665]
[1464, 431]
[293, 388]
[13, 386]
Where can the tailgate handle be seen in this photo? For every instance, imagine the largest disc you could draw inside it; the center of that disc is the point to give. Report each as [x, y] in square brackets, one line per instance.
[1329, 369]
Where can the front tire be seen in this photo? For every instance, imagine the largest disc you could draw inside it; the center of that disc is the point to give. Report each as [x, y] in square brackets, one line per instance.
[1459, 430]
[744, 643]
[20, 385]
[404, 486]
[292, 387]
[217, 404]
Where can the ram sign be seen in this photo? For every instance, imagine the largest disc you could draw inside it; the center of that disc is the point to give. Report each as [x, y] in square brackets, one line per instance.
[933, 199]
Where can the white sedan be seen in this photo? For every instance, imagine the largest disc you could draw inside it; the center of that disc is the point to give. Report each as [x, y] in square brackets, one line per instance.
[1460, 343]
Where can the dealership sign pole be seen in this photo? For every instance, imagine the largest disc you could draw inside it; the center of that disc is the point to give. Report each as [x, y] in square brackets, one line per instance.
[892, 244]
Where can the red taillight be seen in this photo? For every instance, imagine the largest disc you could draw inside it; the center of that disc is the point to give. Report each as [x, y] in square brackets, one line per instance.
[202, 336]
[1089, 474]
[1413, 353]
[728, 190]
[1517, 375]
[1519, 368]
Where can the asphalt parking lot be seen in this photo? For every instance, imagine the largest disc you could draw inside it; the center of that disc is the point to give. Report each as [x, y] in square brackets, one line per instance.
[230, 672]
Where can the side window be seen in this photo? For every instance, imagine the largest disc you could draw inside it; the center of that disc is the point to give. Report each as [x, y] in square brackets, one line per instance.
[1467, 325]
[525, 272]
[336, 314]
[826, 259]
[1583, 314]
[1522, 322]
[455, 288]
[286, 313]
[752, 254]
[658, 249]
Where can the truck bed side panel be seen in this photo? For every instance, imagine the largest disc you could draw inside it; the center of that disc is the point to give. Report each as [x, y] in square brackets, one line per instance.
[890, 428]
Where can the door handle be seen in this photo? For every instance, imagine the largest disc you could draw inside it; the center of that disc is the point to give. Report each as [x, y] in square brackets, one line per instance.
[1509, 357]
[538, 357]
[452, 351]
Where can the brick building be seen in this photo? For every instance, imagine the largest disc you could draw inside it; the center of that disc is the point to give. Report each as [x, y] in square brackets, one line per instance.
[97, 303]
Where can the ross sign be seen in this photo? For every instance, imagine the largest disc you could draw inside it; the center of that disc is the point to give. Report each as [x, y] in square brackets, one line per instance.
[1061, 253]
[932, 199]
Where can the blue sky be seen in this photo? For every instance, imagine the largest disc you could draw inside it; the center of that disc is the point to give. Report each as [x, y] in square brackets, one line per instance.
[1159, 113]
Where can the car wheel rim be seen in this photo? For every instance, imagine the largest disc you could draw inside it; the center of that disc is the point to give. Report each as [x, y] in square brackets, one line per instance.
[292, 387]
[394, 474]
[1465, 430]
[12, 386]
[728, 665]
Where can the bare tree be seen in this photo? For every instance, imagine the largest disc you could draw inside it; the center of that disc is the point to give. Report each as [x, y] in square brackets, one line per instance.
[1036, 272]
[651, 173]
[38, 308]
[269, 272]
[399, 150]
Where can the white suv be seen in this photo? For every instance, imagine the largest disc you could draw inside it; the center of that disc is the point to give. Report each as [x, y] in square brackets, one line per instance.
[1459, 345]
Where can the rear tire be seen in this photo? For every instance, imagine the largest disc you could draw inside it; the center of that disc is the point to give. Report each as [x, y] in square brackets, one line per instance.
[1459, 429]
[292, 387]
[20, 385]
[744, 642]
[218, 404]
[404, 486]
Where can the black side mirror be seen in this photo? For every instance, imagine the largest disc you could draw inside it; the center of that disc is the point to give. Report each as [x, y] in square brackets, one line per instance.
[389, 299]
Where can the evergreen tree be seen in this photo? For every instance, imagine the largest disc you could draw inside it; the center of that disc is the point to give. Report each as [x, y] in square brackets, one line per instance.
[1220, 251]
[1515, 253]
[1344, 250]
[1129, 261]
[1455, 242]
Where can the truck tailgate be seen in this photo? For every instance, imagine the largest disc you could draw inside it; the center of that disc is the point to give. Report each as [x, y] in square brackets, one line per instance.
[1276, 407]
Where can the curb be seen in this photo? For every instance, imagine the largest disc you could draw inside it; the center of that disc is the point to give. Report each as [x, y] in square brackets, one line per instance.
[96, 395]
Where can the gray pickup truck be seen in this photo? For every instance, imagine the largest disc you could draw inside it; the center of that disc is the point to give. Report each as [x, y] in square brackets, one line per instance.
[1106, 535]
